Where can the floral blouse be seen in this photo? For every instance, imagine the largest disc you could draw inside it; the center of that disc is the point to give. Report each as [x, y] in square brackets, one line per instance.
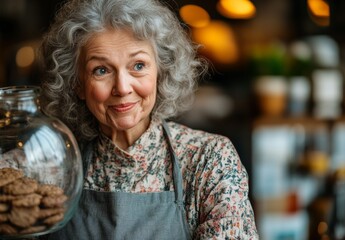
[215, 181]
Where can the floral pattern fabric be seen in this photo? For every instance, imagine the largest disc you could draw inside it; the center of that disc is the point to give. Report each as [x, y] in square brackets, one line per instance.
[214, 180]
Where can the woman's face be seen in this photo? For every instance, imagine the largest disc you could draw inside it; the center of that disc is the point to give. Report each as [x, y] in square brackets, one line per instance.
[118, 75]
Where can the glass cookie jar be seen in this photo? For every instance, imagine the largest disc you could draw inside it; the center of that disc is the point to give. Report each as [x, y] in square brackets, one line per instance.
[40, 167]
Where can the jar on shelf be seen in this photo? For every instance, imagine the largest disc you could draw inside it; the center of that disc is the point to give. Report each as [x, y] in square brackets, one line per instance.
[271, 95]
[41, 171]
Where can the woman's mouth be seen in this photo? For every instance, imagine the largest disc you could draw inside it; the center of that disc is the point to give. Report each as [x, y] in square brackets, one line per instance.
[123, 107]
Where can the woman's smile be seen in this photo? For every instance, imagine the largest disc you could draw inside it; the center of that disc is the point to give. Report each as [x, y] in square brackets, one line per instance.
[123, 107]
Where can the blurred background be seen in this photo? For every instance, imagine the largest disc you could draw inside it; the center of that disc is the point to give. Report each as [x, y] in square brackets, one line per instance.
[275, 88]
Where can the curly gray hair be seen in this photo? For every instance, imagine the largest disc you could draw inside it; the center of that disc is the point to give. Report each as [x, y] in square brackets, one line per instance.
[178, 66]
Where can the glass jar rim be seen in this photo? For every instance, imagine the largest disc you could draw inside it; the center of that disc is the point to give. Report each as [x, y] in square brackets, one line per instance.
[19, 91]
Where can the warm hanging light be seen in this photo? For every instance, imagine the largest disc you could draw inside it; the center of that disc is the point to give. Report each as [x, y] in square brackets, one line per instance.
[319, 12]
[319, 8]
[25, 56]
[240, 9]
[194, 15]
[218, 41]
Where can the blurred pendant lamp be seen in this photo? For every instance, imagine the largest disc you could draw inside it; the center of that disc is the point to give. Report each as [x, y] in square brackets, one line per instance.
[218, 41]
[194, 15]
[216, 37]
[319, 12]
[237, 9]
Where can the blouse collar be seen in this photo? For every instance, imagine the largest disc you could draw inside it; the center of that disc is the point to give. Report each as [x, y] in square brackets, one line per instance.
[138, 152]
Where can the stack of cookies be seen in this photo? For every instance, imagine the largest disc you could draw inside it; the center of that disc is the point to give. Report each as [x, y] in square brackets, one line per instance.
[27, 206]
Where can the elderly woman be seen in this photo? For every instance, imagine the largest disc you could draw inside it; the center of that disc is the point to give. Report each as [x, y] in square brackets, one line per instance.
[115, 70]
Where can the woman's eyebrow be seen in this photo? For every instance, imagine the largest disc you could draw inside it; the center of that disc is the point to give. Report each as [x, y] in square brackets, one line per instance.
[95, 57]
[138, 52]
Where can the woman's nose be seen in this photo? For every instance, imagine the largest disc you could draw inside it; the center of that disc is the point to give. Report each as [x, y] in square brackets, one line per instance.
[122, 85]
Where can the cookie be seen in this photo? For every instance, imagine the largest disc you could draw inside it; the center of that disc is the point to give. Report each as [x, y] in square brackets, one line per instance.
[7, 198]
[54, 201]
[49, 190]
[29, 200]
[47, 212]
[8, 175]
[4, 207]
[53, 219]
[7, 229]
[33, 229]
[26, 206]
[24, 185]
[3, 217]
[24, 216]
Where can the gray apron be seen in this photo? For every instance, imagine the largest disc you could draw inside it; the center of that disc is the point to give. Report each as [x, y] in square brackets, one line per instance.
[130, 216]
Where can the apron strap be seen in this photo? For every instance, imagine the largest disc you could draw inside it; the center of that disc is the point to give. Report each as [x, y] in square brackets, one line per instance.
[87, 156]
[176, 168]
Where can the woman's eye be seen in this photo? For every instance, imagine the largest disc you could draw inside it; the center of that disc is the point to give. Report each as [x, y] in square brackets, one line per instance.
[139, 66]
[100, 71]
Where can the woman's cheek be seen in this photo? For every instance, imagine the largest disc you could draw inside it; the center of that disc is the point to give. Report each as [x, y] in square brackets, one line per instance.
[147, 89]
[100, 94]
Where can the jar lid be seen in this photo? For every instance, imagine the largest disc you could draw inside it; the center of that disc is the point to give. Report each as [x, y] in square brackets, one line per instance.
[19, 91]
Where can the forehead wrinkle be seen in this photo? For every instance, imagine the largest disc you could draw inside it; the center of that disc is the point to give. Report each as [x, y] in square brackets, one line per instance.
[97, 47]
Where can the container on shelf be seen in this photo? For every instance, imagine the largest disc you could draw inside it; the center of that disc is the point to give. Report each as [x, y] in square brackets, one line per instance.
[271, 93]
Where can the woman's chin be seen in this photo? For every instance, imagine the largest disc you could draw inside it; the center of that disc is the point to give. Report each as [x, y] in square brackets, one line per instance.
[131, 123]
